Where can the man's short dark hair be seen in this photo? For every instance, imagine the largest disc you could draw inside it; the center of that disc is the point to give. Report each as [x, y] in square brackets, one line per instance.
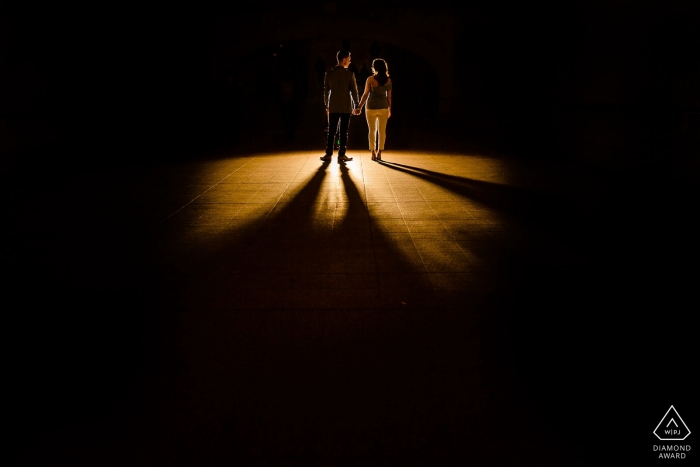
[341, 55]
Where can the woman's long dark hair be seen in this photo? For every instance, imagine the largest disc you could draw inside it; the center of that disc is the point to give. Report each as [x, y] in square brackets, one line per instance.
[381, 71]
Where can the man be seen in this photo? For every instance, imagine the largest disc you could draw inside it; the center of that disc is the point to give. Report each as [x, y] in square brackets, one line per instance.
[341, 99]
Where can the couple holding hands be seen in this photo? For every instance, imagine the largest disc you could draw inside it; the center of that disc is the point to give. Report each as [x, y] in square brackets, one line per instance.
[339, 95]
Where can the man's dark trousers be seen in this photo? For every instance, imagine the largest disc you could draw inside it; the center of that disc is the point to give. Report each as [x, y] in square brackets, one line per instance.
[337, 122]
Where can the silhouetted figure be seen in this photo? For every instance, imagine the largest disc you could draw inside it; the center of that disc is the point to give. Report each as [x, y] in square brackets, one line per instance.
[341, 100]
[377, 95]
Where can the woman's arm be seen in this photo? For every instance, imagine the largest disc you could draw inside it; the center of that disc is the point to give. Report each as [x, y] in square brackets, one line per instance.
[365, 95]
[388, 98]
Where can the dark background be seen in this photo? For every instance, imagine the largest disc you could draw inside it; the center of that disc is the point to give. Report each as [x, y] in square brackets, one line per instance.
[86, 92]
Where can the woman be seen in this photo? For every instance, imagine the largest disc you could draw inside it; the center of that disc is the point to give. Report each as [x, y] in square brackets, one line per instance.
[377, 95]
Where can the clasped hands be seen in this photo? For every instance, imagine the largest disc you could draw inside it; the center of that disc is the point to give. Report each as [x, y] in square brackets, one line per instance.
[358, 111]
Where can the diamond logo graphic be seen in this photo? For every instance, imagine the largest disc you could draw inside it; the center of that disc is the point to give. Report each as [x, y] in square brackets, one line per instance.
[671, 427]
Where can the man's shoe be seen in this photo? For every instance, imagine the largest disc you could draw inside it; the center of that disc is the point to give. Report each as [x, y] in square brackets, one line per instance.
[344, 159]
[326, 158]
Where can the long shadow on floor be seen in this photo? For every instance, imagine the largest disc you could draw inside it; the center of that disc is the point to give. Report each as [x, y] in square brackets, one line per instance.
[521, 204]
[548, 280]
[315, 337]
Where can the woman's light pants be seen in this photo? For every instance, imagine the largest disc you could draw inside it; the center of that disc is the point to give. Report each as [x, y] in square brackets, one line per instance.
[376, 120]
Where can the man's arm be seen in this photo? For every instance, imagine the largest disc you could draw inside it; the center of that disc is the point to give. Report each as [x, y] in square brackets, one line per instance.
[326, 92]
[353, 91]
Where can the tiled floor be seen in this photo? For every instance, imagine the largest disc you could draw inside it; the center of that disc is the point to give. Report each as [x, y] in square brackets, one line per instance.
[366, 292]
[442, 306]
[396, 234]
